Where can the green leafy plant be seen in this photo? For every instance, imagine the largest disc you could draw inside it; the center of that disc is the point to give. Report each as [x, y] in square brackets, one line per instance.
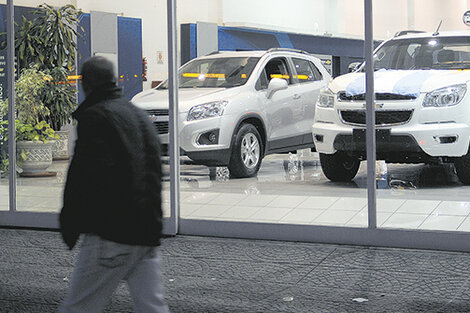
[39, 132]
[59, 98]
[27, 42]
[49, 41]
[30, 91]
[29, 98]
[50, 38]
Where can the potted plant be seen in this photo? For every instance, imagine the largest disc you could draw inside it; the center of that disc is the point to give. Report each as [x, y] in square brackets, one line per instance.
[33, 146]
[33, 134]
[50, 40]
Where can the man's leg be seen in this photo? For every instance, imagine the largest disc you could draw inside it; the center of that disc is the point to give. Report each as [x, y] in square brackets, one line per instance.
[146, 285]
[100, 267]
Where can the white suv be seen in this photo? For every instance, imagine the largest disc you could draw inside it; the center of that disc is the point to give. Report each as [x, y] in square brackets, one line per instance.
[422, 107]
[236, 107]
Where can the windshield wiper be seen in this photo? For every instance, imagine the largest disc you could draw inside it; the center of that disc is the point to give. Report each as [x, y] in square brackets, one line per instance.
[454, 65]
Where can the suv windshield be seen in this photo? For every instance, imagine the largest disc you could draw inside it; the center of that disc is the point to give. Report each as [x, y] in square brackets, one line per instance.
[424, 53]
[215, 73]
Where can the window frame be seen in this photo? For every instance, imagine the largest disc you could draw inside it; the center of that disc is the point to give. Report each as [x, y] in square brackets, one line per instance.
[289, 69]
[317, 75]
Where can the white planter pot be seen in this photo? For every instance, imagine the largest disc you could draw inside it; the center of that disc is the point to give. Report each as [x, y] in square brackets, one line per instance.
[39, 155]
[60, 148]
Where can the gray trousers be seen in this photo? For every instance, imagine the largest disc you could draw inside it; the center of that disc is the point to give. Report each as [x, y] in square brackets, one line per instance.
[101, 266]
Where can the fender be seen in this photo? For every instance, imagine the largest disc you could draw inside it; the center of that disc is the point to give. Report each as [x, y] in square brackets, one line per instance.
[244, 118]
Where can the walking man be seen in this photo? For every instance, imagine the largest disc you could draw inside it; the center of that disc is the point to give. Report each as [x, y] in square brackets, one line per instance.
[113, 197]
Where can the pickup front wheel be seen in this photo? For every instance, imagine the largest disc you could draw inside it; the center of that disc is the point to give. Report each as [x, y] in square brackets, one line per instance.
[339, 167]
[462, 167]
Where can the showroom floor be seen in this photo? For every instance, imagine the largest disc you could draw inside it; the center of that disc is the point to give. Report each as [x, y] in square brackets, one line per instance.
[292, 189]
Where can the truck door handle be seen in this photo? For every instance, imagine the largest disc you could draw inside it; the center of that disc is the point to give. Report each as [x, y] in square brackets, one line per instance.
[296, 97]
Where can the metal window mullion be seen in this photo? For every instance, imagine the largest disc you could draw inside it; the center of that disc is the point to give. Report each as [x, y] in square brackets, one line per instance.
[173, 116]
[370, 116]
[11, 104]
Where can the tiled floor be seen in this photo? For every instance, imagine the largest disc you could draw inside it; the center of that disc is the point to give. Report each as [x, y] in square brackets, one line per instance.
[318, 210]
[411, 197]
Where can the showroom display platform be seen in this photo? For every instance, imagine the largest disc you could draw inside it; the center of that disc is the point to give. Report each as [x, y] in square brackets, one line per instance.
[220, 275]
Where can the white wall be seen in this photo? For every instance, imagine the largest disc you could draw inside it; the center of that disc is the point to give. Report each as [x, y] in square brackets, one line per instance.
[343, 18]
[301, 16]
[449, 11]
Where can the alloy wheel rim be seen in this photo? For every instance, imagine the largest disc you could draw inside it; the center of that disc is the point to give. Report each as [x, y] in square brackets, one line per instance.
[250, 150]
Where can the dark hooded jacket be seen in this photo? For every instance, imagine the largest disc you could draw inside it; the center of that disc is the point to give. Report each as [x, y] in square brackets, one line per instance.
[113, 186]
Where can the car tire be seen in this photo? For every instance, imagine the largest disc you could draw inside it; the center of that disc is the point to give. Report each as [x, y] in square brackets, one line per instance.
[339, 167]
[462, 168]
[247, 152]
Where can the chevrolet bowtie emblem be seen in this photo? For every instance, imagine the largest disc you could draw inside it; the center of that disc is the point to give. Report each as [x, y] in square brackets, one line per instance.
[377, 105]
[158, 118]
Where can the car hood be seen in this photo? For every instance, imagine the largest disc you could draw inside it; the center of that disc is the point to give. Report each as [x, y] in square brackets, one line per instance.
[403, 82]
[187, 97]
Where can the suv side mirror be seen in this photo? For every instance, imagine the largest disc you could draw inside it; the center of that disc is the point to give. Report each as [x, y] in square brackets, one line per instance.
[354, 66]
[276, 84]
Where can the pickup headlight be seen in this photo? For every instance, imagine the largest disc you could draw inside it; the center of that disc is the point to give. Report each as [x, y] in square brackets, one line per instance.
[446, 96]
[326, 98]
[210, 109]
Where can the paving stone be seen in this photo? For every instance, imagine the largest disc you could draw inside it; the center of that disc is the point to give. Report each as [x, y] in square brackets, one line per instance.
[205, 275]
[400, 260]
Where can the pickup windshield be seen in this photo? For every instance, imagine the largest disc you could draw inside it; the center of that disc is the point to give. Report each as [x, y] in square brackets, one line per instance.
[424, 53]
[215, 73]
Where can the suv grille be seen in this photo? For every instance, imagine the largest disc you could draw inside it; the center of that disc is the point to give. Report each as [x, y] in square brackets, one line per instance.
[378, 96]
[382, 118]
[160, 126]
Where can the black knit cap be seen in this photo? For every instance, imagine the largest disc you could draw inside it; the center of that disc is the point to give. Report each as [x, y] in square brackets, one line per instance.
[97, 72]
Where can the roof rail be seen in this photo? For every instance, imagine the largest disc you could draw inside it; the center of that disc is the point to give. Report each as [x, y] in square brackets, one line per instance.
[287, 49]
[406, 32]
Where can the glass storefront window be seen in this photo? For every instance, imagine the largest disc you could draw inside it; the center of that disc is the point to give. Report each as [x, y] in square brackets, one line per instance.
[265, 136]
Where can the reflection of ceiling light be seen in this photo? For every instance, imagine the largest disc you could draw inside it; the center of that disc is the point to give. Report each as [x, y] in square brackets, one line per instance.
[433, 42]
[202, 77]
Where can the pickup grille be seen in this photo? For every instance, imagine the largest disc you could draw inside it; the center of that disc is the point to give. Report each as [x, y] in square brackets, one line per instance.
[160, 126]
[378, 96]
[382, 118]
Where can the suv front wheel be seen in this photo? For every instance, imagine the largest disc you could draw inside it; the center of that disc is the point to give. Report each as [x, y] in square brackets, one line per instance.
[247, 152]
[339, 167]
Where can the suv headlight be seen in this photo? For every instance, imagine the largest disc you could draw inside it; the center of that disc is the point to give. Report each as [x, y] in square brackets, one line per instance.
[446, 96]
[326, 98]
[210, 109]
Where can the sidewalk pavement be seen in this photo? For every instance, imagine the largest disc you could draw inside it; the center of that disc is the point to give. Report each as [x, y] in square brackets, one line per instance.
[220, 275]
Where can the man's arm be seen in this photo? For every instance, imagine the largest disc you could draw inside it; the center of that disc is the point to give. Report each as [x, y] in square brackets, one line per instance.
[79, 190]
